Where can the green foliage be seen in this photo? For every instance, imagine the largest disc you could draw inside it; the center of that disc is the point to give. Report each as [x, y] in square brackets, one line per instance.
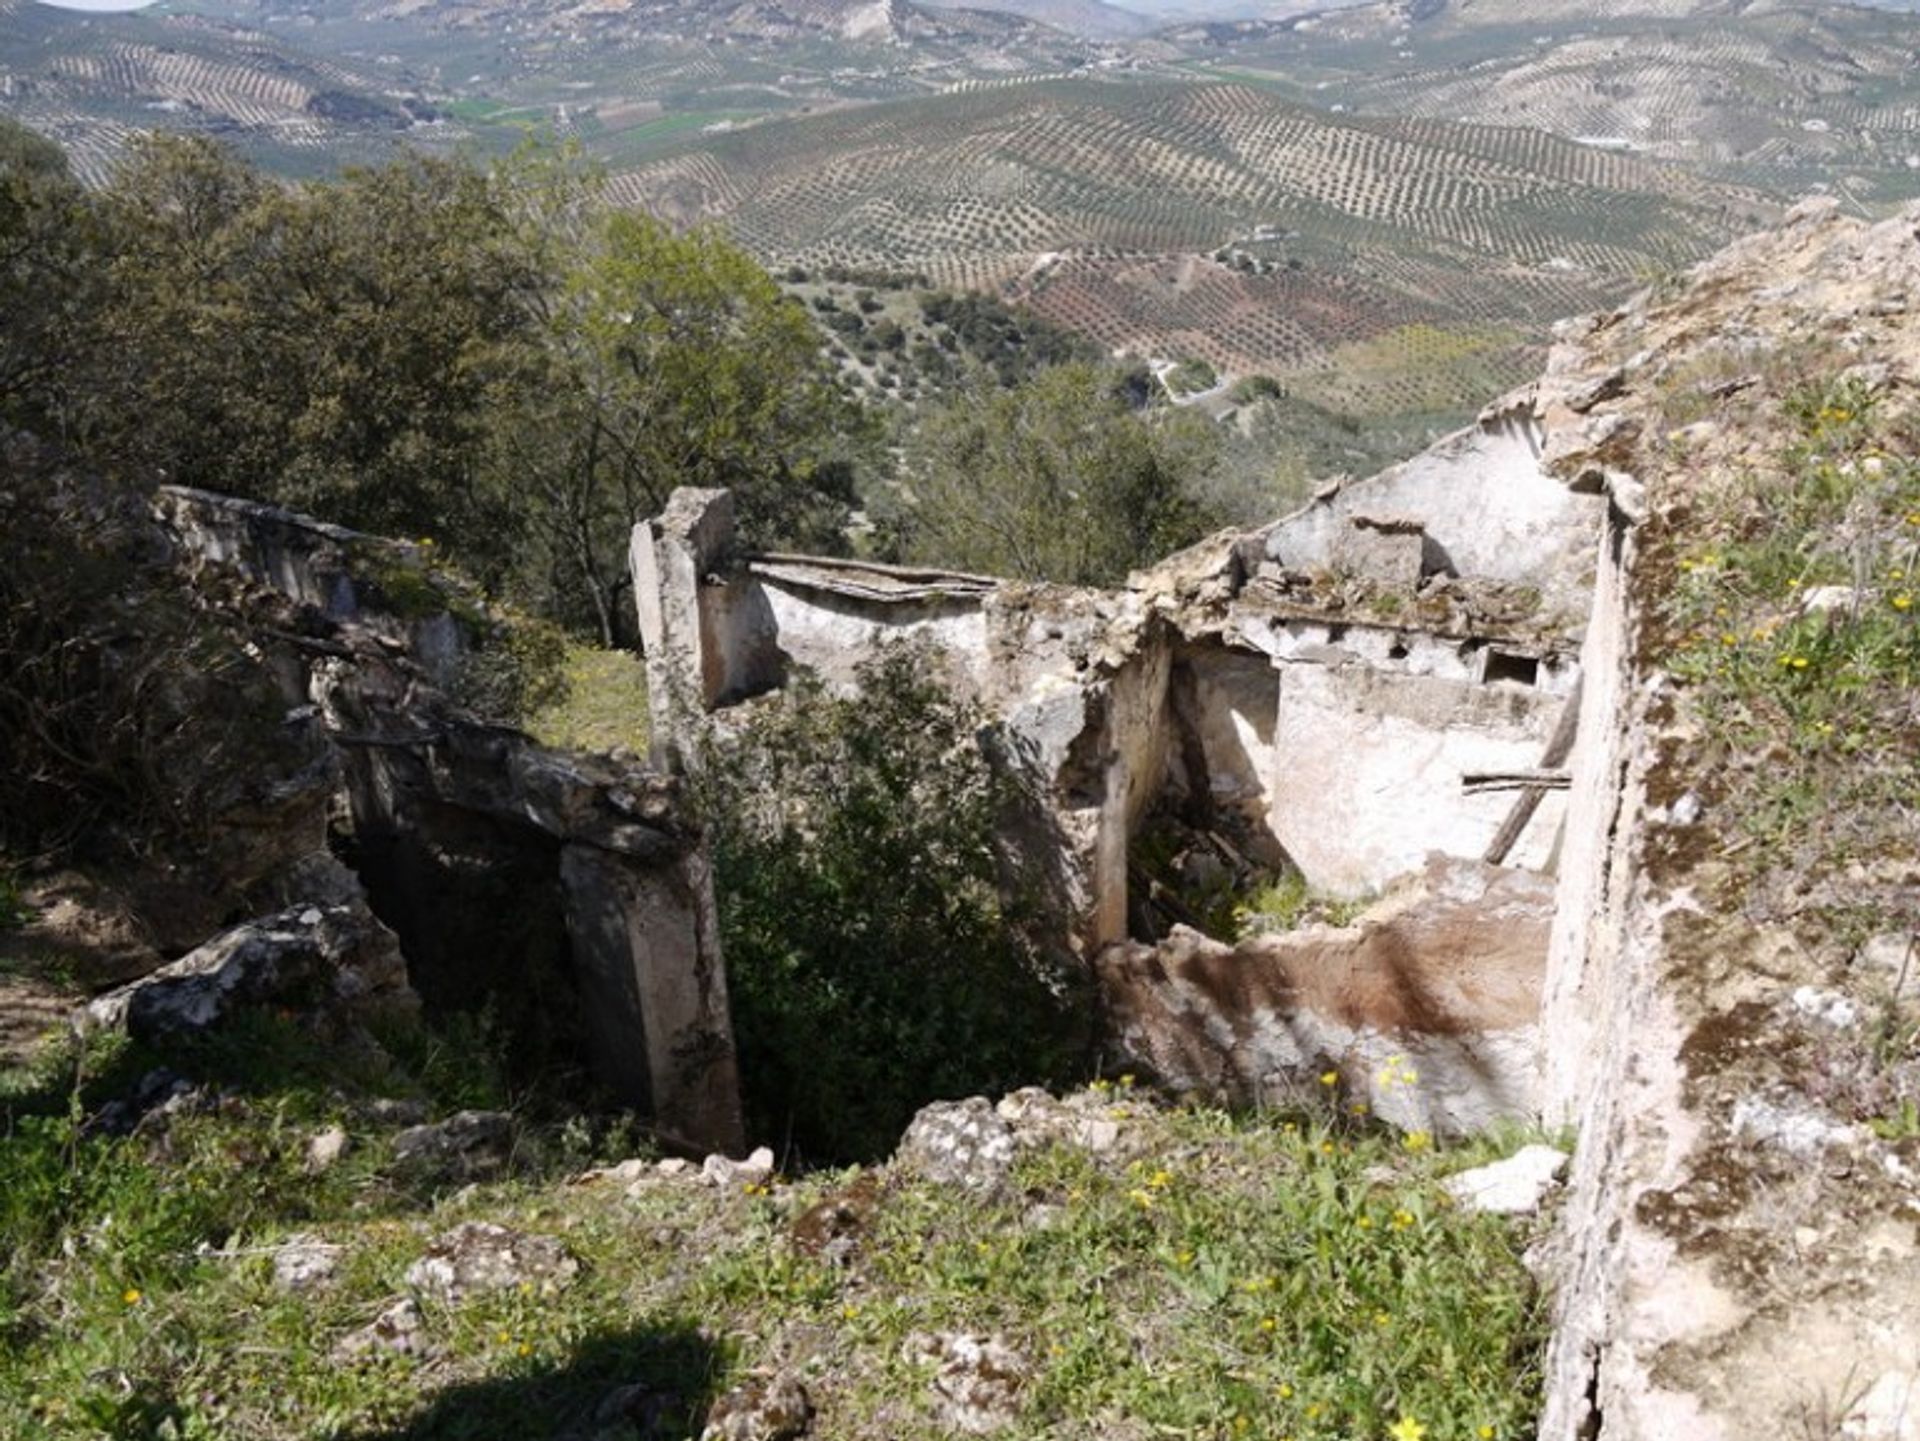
[670, 360]
[605, 707]
[1250, 388]
[1792, 611]
[130, 713]
[1190, 377]
[873, 960]
[345, 348]
[1287, 903]
[1059, 480]
[519, 672]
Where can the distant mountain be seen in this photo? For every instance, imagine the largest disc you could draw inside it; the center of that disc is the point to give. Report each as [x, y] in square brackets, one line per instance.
[95, 80]
[1094, 19]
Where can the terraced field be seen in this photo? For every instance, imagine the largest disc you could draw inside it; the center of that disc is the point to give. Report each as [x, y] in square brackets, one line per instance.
[1785, 98]
[1218, 221]
[93, 82]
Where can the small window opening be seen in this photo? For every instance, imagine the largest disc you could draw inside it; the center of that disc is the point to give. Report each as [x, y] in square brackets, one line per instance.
[1397, 651]
[1523, 669]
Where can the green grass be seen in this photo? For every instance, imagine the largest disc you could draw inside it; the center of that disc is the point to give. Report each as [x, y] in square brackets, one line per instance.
[1212, 1276]
[604, 707]
[1819, 696]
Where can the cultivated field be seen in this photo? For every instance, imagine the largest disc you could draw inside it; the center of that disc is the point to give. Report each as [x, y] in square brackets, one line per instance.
[1216, 220]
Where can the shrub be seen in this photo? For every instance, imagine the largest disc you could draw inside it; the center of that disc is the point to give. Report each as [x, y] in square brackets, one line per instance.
[874, 961]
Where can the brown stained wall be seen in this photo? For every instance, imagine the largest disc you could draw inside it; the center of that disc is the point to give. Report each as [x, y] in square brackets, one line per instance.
[1444, 975]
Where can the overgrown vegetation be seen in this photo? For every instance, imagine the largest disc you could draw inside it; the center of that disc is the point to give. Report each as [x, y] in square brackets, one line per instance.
[1062, 479]
[1795, 619]
[862, 895]
[1207, 1276]
[107, 673]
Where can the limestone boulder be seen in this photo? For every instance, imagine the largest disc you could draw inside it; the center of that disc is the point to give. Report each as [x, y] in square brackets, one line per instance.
[332, 958]
[774, 1408]
[958, 1143]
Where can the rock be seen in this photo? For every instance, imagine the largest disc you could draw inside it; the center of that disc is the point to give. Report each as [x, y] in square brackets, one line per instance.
[465, 1146]
[304, 1262]
[773, 1409]
[400, 1329]
[389, 1112]
[1895, 957]
[831, 1228]
[340, 953]
[674, 1166]
[1827, 1007]
[756, 1170]
[1829, 600]
[160, 1092]
[325, 1148]
[1513, 1187]
[958, 1143]
[1038, 1119]
[978, 1381]
[1793, 1126]
[478, 1256]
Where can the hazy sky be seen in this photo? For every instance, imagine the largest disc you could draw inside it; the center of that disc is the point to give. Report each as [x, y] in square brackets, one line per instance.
[98, 4]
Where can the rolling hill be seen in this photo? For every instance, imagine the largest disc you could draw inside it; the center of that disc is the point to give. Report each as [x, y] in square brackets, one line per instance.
[1382, 265]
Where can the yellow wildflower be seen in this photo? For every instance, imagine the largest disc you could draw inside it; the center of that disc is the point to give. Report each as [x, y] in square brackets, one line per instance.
[131, 1296]
[1406, 1429]
[1417, 1140]
[1329, 1078]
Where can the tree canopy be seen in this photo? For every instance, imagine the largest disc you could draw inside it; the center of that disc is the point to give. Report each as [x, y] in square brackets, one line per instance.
[1061, 479]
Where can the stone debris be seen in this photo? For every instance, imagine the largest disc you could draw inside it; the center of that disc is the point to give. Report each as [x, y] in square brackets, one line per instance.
[477, 1256]
[1830, 1008]
[775, 1408]
[1514, 1187]
[978, 1380]
[399, 1330]
[958, 1143]
[466, 1146]
[304, 1262]
[1039, 1119]
[326, 1147]
[756, 1170]
[831, 1228]
[642, 1410]
[161, 1092]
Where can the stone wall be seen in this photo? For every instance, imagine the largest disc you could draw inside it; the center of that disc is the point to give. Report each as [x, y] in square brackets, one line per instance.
[478, 846]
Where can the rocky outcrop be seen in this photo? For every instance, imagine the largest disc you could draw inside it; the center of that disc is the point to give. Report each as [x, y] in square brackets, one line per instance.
[1737, 1257]
[1425, 1010]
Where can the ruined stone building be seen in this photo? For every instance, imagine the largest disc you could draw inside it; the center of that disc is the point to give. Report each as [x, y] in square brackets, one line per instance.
[1445, 684]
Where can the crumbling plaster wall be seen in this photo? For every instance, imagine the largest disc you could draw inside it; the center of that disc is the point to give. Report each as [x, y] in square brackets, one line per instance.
[1509, 520]
[433, 791]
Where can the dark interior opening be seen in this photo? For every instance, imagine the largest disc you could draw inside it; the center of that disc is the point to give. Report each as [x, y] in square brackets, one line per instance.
[1502, 665]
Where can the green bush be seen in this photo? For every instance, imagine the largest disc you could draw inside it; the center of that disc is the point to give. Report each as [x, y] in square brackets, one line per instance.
[874, 961]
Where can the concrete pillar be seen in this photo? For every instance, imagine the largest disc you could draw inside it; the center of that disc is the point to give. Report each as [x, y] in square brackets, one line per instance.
[653, 990]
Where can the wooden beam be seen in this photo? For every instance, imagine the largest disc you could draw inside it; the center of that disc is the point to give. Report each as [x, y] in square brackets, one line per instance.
[1559, 747]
